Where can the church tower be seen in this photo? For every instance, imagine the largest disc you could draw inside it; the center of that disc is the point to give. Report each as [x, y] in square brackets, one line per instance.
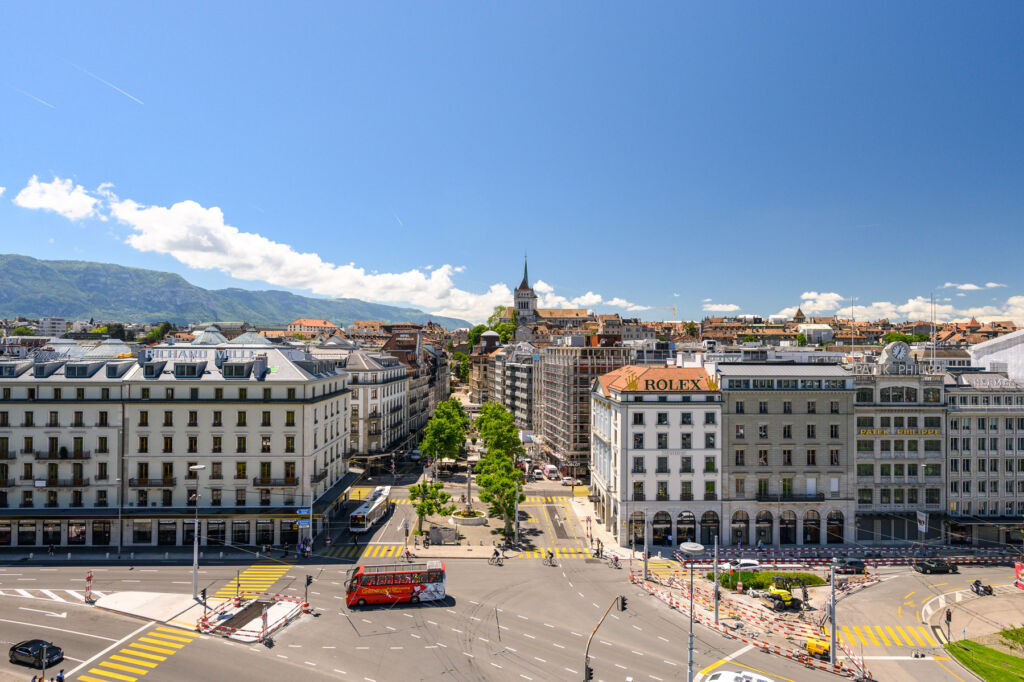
[525, 299]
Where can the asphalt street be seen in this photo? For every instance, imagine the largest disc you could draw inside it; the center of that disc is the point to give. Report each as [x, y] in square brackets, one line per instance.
[520, 621]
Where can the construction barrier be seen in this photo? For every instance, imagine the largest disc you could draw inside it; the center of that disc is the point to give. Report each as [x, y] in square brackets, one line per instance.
[204, 624]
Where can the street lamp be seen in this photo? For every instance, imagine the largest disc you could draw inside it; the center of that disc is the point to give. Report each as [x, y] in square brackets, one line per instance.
[691, 549]
[832, 612]
[195, 468]
[120, 524]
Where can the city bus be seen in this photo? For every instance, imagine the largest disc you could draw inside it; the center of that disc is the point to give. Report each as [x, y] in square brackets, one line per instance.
[393, 583]
[372, 510]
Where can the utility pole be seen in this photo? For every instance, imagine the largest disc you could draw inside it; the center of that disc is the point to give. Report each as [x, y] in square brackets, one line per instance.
[586, 654]
[716, 580]
[646, 552]
[832, 613]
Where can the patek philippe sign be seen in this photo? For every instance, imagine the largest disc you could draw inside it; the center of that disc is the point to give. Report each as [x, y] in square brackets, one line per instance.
[898, 432]
[895, 369]
[199, 354]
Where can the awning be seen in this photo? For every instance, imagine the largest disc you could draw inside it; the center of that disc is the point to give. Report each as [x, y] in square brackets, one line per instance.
[331, 495]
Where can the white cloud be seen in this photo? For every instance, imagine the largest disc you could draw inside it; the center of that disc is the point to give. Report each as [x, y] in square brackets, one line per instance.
[2, 189]
[961, 294]
[706, 300]
[676, 295]
[814, 303]
[720, 307]
[993, 285]
[962, 287]
[200, 238]
[60, 196]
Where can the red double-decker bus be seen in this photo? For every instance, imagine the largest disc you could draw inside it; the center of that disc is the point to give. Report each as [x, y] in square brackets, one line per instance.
[392, 583]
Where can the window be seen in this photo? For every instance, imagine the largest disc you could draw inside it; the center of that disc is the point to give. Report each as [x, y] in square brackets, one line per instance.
[638, 491]
[812, 457]
[885, 496]
[833, 431]
[240, 498]
[762, 407]
[241, 418]
[193, 418]
[954, 444]
[931, 495]
[812, 407]
[687, 441]
[911, 495]
[762, 458]
[686, 465]
[143, 444]
[740, 487]
[709, 464]
[663, 419]
[787, 431]
[709, 440]
[638, 441]
[289, 416]
[193, 443]
[762, 487]
[739, 457]
[662, 466]
[240, 444]
[215, 497]
[787, 458]
[662, 494]
[144, 418]
[787, 407]
[168, 444]
[865, 469]
[709, 418]
[638, 419]
[215, 470]
[762, 431]
[289, 443]
[811, 431]
[864, 496]
[833, 457]
[239, 471]
[739, 407]
[933, 469]
[264, 443]
[291, 394]
[217, 444]
[833, 407]
[740, 432]
[168, 418]
[638, 465]
[865, 422]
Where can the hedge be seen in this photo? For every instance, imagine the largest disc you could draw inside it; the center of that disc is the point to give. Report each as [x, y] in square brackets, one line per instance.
[762, 579]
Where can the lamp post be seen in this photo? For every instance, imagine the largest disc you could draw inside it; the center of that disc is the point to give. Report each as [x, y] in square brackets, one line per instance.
[195, 468]
[120, 524]
[691, 549]
[832, 613]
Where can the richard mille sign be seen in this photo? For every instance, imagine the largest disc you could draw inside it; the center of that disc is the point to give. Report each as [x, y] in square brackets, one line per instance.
[898, 432]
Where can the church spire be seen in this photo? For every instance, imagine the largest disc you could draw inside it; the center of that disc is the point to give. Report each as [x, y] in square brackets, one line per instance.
[526, 275]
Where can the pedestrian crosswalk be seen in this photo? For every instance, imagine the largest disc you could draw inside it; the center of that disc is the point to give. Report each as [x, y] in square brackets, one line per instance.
[256, 579]
[541, 499]
[560, 552]
[370, 550]
[887, 635]
[140, 656]
[52, 595]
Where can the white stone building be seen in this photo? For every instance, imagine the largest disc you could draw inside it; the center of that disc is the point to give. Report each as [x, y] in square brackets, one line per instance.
[656, 454]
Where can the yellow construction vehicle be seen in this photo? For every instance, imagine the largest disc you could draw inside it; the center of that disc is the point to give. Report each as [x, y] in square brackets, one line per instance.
[779, 597]
[817, 648]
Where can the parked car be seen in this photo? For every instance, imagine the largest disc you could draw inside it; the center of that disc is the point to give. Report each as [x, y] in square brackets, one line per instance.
[729, 676]
[569, 480]
[935, 566]
[751, 565]
[30, 652]
[537, 473]
[854, 566]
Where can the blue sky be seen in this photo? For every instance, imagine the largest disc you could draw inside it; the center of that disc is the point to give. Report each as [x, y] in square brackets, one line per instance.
[741, 157]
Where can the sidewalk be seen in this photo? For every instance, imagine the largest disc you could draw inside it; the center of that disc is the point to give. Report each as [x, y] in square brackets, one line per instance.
[65, 556]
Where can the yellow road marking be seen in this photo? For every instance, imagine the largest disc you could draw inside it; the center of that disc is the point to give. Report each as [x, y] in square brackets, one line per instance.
[126, 668]
[927, 635]
[132, 652]
[885, 640]
[848, 635]
[134, 661]
[173, 638]
[911, 639]
[871, 635]
[705, 670]
[911, 594]
[899, 610]
[86, 678]
[153, 648]
[179, 631]
[116, 676]
[892, 635]
[939, 584]
[948, 670]
[775, 676]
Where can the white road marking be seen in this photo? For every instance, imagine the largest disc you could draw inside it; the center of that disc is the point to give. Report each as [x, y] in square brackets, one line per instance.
[309, 662]
[515, 651]
[654, 678]
[662, 638]
[482, 639]
[620, 666]
[474, 602]
[389, 628]
[294, 646]
[638, 627]
[473, 618]
[576, 634]
[432, 622]
[495, 664]
[595, 605]
[362, 647]
[668, 662]
[407, 615]
[604, 642]
[443, 646]
[116, 643]
[525, 677]
[396, 648]
[572, 671]
[413, 634]
[282, 656]
[52, 596]
[557, 644]
[340, 671]
[637, 653]
[529, 635]
[523, 617]
[328, 647]
[468, 654]
[458, 631]
[548, 625]
[539, 659]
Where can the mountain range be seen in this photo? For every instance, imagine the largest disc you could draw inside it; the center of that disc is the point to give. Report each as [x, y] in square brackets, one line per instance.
[78, 290]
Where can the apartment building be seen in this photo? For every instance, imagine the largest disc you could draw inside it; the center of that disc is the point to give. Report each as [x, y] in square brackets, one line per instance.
[52, 326]
[899, 446]
[379, 402]
[481, 367]
[514, 372]
[655, 465]
[104, 445]
[567, 373]
[985, 458]
[787, 465]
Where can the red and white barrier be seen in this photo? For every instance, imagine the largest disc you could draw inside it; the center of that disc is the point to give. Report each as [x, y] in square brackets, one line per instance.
[207, 623]
[88, 587]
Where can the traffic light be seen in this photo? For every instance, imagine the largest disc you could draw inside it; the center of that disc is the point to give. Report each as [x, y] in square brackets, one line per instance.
[622, 603]
[949, 616]
[204, 595]
[588, 673]
[309, 580]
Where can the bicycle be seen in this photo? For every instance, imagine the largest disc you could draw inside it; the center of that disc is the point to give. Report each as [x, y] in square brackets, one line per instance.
[408, 556]
[548, 561]
[495, 560]
[614, 563]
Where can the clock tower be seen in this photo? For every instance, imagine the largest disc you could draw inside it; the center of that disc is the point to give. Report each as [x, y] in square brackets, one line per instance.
[526, 299]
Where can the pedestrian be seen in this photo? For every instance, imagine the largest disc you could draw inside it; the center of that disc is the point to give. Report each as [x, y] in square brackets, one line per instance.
[60, 675]
[51, 550]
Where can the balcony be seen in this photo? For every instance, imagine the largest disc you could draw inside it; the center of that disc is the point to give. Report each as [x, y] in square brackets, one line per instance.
[58, 482]
[686, 497]
[274, 482]
[710, 497]
[789, 497]
[686, 470]
[8, 454]
[316, 478]
[661, 470]
[638, 497]
[638, 471]
[710, 470]
[168, 482]
[6, 482]
[50, 456]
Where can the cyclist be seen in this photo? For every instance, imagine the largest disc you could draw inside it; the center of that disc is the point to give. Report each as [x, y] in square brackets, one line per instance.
[408, 554]
[496, 557]
[551, 557]
[615, 560]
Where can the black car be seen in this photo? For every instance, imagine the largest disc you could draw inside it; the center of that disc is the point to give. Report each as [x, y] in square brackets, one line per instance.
[935, 566]
[855, 566]
[30, 653]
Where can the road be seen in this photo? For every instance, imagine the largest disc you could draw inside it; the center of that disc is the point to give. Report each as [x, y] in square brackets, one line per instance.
[519, 621]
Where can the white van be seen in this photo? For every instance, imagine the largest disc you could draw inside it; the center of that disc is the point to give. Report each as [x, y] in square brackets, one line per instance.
[551, 471]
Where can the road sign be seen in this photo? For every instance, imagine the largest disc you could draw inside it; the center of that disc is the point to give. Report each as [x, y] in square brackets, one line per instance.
[303, 523]
[302, 512]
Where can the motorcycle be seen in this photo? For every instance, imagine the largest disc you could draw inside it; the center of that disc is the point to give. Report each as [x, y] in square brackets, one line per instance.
[979, 589]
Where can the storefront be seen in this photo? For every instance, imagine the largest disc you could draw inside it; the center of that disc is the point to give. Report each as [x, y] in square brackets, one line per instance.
[76, 533]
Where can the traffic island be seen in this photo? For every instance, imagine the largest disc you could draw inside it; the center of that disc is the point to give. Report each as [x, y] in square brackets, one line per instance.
[252, 619]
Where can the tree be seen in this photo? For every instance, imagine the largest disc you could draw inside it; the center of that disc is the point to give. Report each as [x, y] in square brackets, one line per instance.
[159, 332]
[21, 331]
[473, 337]
[117, 331]
[896, 336]
[461, 361]
[919, 338]
[446, 431]
[498, 431]
[506, 330]
[692, 329]
[431, 500]
[495, 319]
[499, 480]
[801, 339]
[749, 338]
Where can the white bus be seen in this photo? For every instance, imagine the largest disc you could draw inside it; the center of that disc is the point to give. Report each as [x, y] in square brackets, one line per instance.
[372, 510]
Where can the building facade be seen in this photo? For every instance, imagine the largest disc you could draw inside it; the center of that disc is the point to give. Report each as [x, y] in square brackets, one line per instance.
[899, 448]
[99, 451]
[985, 458]
[655, 465]
[787, 463]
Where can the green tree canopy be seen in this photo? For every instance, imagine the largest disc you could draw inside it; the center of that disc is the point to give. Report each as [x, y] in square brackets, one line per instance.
[501, 486]
[498, 431]
[21, 331]
[905, 338]
[749, 338]
[446, 431]
[506, 330]
[431, 500]
[159, 332]
[474, 336]
[801, 339]
[461, 361]
[692, 329]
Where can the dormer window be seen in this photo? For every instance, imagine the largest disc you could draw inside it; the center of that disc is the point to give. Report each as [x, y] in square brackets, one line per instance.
[235, 370]
[76, 371]
[150, 371]
[186, 370]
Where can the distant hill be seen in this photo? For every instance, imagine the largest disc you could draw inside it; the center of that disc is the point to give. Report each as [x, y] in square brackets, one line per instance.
[81, 290]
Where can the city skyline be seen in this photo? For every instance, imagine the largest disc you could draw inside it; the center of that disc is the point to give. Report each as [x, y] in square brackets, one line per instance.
[722, 160]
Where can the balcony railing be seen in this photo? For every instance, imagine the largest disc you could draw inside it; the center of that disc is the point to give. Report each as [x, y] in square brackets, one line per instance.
[168, 482]
[661, 470]
[317, 477]
[6, 482]
[274, 482]
[710, 497]
[686, 497]
[638, 471]
[84, 454]
[784, 497]
[686, 470]
[58, 482]
[8, 454]
[638, 497]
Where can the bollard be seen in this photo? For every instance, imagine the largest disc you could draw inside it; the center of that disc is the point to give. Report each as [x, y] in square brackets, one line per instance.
[31, 555]
[69, 556]
[132, 556]
[108, 555]
[202, 555]
[222, 555]
[257, 554]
